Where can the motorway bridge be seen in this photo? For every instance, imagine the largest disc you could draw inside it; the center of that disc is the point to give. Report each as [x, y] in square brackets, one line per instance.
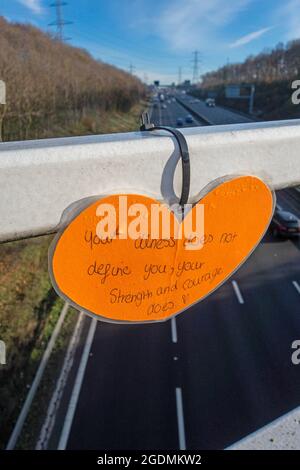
[205, 379]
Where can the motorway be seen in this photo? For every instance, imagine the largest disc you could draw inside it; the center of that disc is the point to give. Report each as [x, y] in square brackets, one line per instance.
[168, 116]
[215, 374]
[214, 115]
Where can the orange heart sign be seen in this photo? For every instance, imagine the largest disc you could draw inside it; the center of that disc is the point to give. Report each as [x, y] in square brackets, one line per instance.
[129, 258]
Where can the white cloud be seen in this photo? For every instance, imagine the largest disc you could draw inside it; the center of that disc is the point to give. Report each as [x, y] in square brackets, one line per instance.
[250, 37]
[190, 24]
[33, 5]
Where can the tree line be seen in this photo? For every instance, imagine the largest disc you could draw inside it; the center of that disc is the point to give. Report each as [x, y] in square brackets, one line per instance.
[280, 63]
[49, 81]
[272, 71]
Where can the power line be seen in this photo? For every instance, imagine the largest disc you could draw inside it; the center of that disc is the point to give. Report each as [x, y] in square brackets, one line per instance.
[179, 75]
[131, 69]
[146, 78]
[195, 67]
[60, 22]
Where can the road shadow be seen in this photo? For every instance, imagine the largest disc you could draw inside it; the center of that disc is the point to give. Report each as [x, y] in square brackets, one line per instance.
[270, 238]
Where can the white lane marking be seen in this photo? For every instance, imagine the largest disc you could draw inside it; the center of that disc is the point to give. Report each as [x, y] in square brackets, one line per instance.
[174, 329]
[77, 387]
[36, 381]
[297, 287]
[46, 431]
[180, 419]
[278, 206]
[237, 292]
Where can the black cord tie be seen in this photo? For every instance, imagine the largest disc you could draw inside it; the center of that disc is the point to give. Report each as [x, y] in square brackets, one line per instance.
[184, 152]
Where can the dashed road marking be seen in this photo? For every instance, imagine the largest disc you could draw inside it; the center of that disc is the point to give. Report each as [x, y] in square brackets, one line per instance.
[237, 292]
[174, 329]
[180, 419]
[297, 287]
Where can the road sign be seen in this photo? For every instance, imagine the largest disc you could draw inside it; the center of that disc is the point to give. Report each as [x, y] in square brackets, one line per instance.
[232, 91]
[241, 92]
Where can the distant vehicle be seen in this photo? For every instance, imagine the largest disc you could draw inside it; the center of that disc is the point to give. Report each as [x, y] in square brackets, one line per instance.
[189, 119]
[161, 97]
[179, 122]
[285, 224]
[210, 102]
[164, 106]
[169, 101]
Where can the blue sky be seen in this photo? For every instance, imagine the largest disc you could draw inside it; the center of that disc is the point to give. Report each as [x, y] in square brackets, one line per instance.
[158, 37]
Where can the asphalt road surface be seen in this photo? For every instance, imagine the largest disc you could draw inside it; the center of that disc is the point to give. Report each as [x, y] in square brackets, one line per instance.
[168, 116]
[203, 381]
[215, 115]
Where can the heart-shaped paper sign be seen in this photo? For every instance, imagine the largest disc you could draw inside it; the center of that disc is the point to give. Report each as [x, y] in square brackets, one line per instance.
[150, 279]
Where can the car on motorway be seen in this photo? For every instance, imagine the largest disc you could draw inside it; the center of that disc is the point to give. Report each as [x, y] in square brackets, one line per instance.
[164, 106]
[179, 122]
[285, 224]
[210, 102]
[189, 119]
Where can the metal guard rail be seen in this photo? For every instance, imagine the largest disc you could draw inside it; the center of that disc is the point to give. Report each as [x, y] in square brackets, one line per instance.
[39, 179]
